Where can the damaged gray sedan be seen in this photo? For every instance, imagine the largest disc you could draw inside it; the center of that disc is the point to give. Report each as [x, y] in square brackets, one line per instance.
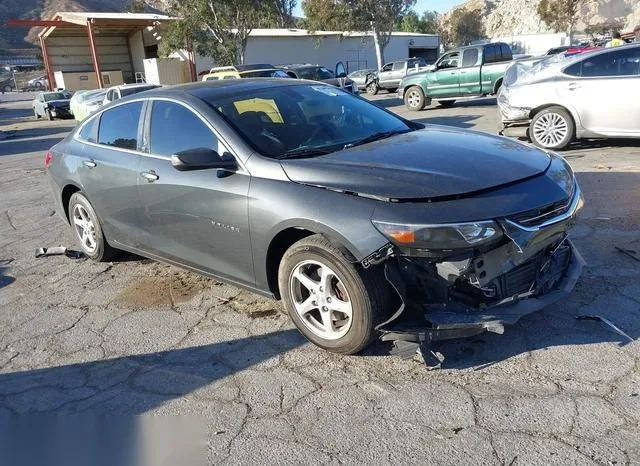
[364, 224]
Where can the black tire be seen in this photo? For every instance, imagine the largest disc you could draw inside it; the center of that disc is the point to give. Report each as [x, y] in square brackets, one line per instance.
[497, 88]
[103, 251]
[562, 121]
[372, 88]
[447, 103]
[392, 90]
[48, 115]
[367, 292]
[414, 99]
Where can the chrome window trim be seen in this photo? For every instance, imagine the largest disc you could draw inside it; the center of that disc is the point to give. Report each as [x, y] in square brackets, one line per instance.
[241, 166]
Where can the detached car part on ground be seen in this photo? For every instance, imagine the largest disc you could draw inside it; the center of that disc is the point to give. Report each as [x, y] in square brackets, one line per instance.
[469, 72]
[363, 223]
[560, 99]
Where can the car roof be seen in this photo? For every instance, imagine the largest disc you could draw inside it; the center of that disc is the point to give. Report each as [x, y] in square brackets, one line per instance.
[300, 66]
[132, 85]
[226, 87]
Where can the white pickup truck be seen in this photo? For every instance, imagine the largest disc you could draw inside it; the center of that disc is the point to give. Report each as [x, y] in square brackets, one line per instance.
[391, 74]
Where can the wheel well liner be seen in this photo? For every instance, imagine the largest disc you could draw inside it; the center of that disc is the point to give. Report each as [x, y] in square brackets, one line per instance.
[497, 85]
[67, 192]
[278, 246]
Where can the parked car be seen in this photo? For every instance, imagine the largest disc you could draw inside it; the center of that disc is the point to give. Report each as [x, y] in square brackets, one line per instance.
[123, 90]
[262, 70]
[51, 105]
[590, 95]
[39, 82]
[89, 103]
[6, 84]
[557, 50]
[468, 72]
[362, 222]
[391, 74]
[360, 77]
[324, 75]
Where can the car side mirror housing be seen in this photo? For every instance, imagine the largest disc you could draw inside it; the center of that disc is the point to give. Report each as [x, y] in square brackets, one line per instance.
[202, 158]
[432, 67]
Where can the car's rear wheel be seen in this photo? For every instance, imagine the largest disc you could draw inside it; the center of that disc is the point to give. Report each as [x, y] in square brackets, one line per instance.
[372, 88]
[334, 303]
[414, 99]
[446, 103]
[87, 230]
[48, 114]
[552, 128]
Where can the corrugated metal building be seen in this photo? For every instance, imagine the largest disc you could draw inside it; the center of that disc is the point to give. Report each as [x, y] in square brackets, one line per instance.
[355, 49]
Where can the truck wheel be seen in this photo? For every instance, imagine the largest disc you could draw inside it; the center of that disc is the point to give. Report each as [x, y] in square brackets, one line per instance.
[414, 99]
[48, 115]
[372, 88]
[552, 128]
[446, 103]
[333, 301]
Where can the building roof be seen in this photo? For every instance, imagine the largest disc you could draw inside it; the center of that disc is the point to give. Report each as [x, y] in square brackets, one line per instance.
[81, 17]
[305, 32]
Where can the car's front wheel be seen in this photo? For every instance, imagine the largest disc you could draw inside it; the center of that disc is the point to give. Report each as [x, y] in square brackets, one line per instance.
[333, 301]
[552, 128]
[86, 227]
[414, 99]
[372, 88]
[48, 114]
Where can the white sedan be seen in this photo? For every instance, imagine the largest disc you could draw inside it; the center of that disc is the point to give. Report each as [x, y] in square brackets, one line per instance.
[590, 95]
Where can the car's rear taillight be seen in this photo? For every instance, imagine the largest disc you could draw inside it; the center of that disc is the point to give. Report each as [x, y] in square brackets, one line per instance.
[48, 158]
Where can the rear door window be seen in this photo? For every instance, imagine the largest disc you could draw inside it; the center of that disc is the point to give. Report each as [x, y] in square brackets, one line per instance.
[89, 132]
[490, 54]
[119, 126]
[506, 52]
[470, 57]
[174, 128]
[617, 63]
[398, 66]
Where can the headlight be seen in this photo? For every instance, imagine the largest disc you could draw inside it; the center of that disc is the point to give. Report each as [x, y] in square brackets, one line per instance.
[440, 237]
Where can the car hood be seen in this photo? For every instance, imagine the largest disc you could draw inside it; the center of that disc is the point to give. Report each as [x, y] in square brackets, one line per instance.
[435, 163]
[58, 103]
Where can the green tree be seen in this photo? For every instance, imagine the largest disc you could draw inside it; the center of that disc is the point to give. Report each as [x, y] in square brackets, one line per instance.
[135, 6]
[425, 24]
[561, 15]
[462, 27]
[284, 13]
[217, 28]
[375, 16]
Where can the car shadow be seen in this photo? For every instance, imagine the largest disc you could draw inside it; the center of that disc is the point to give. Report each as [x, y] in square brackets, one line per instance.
[139, 383]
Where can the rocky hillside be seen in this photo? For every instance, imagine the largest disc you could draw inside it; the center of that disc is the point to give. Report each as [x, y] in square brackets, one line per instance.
[509, 17]
[12, 37]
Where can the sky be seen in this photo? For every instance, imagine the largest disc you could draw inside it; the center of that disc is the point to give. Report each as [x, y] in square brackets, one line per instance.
[441, 6]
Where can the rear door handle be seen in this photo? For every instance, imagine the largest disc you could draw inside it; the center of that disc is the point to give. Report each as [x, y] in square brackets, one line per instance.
[150, 176]
[574, 86]
[89, 163]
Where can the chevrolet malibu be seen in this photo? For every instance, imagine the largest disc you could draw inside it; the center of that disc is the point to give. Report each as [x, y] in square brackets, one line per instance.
[363, 223]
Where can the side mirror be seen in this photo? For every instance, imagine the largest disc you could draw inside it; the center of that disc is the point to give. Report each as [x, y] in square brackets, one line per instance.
[202, 158]
[432, 67]
[341, 71]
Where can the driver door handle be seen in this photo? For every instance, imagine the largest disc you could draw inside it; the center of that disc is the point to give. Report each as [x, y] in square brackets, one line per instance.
[150, 176]
[89, 163]
[574, 86]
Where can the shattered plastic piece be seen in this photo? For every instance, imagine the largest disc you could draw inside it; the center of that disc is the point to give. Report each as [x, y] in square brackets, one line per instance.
[404, 349]
[59, 251]
[607, 322]
[6, 261]
[629, 252]
[432, 359]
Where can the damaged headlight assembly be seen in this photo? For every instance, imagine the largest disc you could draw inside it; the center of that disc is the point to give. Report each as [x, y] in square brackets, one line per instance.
[441, 237]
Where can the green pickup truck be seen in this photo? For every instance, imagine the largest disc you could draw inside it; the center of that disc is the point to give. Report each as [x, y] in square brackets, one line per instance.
[464, 73]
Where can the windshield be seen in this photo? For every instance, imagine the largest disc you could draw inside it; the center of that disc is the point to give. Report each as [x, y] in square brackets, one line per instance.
[304, 120]
[55, 96]
[315, 74]
[134, 90]
[265, 74]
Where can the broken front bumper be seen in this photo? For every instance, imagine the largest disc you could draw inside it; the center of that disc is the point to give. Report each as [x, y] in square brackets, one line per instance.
[431, 322]
[535, 268]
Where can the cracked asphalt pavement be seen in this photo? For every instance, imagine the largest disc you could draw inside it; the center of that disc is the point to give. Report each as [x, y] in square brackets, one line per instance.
[139, 337]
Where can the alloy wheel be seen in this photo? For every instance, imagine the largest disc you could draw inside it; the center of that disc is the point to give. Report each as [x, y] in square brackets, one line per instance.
[413, 99]
[550, 129]
[321, 299]
[85, 228]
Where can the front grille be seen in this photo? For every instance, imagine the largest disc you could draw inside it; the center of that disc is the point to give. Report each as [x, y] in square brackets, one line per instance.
[518, 280]
[535, 217]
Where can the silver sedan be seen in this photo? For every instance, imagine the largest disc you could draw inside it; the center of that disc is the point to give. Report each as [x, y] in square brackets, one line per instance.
[558, 100]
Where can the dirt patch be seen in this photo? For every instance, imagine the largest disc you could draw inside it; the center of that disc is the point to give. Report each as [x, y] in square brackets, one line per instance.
[163, 290]
[254, 305]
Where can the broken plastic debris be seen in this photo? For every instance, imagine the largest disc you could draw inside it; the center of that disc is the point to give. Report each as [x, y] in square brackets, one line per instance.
[607, 322]
[629, 252]
[59, 251]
